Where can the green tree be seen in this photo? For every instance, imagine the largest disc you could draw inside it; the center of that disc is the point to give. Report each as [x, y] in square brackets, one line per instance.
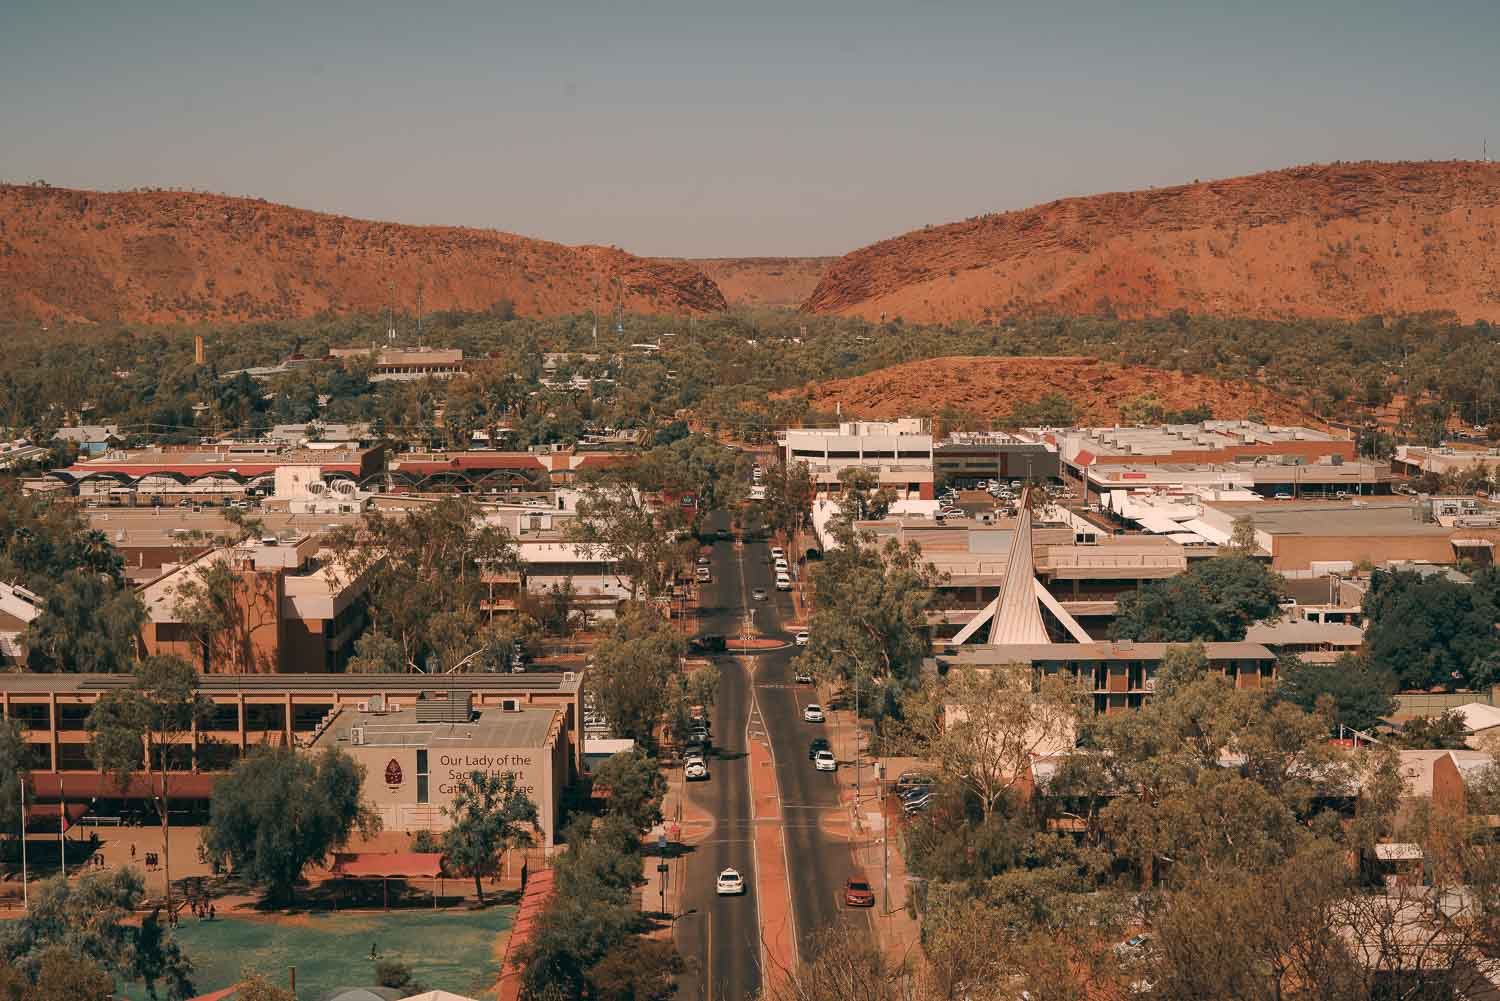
[637, 969]
[789, 496]
[984, 727]
[397, 975]
[88, 625]
[861, 497]
[426, 572]
[633, 666]
[491, 814]
[636, 787]
[278, 811]
[648, 546]
[1214, 601]
[255, 987]
[61, 976]
[149, 726]
[1361, 695]
[870, 612]
[1431, 632]
[1445, 731]
[15, 763]
[92, 919]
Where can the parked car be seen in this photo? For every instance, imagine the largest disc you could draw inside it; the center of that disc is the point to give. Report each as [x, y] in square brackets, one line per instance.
[857, 893]
[825, 762]
[777, 553]
[913, 780]
[704, 576]
[818, 744]
[694, 770]
[803, 678]
[730, 883]
[802, 638]
[920, 800]
[703, 561]
[813, 713]
[783, 582]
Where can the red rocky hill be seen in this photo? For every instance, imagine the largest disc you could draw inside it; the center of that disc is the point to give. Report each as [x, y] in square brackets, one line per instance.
[1344, 240]
[173, 256]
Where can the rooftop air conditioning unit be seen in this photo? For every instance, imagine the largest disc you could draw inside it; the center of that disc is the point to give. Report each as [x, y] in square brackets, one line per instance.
[568, 676]
[363, 707]
[510, 705]
[394, 707]
[357, 736]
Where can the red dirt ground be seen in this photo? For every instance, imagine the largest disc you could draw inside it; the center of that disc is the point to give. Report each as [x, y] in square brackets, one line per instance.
[990, 387]
[174, 256]
[1339, 240]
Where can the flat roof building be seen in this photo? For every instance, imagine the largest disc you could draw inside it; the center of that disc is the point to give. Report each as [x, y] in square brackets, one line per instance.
[216, 468]
[1205, 442]
[968, 457]
[1340, 535]
[416, 756]
[252, 711]
[1447, 460]
[899, 453]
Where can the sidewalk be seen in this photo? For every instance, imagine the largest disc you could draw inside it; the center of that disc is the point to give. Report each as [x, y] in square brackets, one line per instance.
[874, 838]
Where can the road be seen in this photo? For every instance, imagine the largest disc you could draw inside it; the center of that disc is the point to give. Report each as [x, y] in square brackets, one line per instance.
[720, 936]
[818, 863]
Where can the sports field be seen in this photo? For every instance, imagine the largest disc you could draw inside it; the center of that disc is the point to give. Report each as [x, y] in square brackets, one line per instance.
[449, 950]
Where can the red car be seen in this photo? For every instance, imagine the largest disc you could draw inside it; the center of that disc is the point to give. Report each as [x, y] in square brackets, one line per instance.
[857, 893]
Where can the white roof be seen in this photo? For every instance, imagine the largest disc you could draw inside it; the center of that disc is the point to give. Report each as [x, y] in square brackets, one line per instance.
[1215, 535]
[1478, 716]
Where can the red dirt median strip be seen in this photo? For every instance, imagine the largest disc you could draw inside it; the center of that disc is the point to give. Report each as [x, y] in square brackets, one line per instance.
[758, 643]
[778, 931]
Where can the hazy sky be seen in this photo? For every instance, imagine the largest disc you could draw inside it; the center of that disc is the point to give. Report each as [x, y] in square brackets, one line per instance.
[716, 129]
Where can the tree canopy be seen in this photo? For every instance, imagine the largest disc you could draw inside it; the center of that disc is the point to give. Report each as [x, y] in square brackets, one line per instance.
[1432, 632]
[490, 814]
[1216, 600]
[278, 811]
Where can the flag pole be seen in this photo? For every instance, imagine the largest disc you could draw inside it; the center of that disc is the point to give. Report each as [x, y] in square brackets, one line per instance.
[62, 826]
[25, 889]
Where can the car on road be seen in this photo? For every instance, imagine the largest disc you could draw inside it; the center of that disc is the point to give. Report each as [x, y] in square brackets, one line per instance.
[759, 594]
[783, 582]
[730, 883]
[709, 644]
[818, 744]
[801, 638]
[824, 761]
[694, 770]
[804, 678]
[908, 781]
[703, 561]
[857, 893]
[704, 576]
[777, 553]
[812, 713]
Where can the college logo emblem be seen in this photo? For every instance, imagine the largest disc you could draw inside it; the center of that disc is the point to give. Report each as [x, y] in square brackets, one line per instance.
[393, 773]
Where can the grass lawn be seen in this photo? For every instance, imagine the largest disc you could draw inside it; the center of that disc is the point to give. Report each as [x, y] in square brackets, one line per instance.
[447, 950]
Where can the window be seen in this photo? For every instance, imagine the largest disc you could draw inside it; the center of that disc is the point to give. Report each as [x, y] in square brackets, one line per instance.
[422, 775]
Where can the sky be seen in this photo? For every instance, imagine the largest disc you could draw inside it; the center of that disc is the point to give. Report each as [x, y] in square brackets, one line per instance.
[762, 127]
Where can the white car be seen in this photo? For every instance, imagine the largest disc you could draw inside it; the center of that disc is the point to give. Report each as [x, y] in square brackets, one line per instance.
[704, 576]
[812, 713]
[804, 678]
[824, 761]
[782, 566]
[730, 883]
[694, 770]
[783, 582]
[777, 553]
[802, 638]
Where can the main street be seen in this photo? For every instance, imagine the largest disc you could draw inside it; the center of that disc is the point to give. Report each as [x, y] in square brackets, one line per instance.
[818, 861]
[720, 936]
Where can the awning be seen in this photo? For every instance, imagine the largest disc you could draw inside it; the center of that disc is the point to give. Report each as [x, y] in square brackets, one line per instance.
[1158, 523]
[93, 785]
[1209, 532]
[1187, 538]
[389, 865]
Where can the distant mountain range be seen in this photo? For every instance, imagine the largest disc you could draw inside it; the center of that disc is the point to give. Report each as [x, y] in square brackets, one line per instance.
[1336, 241]
[1344, 240]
